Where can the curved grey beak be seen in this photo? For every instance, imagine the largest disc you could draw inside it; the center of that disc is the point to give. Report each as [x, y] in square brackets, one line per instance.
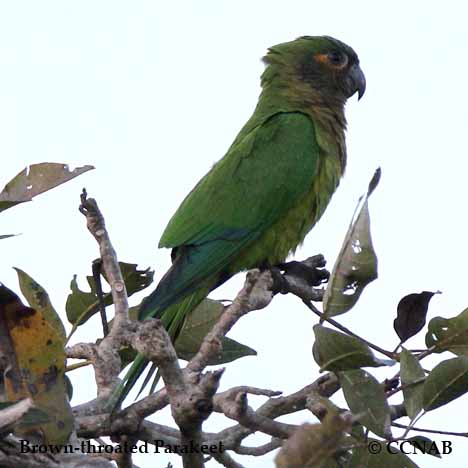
[356, 81]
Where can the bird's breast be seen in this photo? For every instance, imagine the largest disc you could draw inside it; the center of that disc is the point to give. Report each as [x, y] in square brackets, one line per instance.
[288, 232]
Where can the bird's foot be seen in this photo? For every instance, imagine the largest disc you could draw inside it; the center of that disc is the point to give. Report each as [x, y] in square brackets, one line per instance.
[280, 285]
[312, 271]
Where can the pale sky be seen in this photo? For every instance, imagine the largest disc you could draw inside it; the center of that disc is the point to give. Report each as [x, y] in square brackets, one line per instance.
[153, 93]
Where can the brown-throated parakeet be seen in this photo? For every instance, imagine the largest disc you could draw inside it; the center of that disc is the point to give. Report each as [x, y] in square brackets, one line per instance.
[257, 204]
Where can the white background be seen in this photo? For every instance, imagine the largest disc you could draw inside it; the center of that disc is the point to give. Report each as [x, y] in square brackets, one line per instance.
[153, 93]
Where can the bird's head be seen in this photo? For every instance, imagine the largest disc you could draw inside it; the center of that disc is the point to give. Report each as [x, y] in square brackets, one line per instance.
[318, 65]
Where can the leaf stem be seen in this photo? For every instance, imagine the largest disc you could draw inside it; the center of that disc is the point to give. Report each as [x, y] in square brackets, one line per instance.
[314, 309]
[431, 431]
[77, 365]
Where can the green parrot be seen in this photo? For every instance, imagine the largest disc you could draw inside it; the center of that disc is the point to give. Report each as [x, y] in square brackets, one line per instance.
[256, 205]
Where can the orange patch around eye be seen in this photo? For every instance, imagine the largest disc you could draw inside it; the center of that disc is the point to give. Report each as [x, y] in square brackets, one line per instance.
[325, 59]
[322, 58]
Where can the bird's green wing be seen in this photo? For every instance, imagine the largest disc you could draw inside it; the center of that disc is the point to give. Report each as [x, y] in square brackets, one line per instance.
[261, 177]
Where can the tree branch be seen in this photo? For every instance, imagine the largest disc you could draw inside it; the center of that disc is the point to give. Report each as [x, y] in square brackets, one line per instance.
[97, 227]
[256, 294]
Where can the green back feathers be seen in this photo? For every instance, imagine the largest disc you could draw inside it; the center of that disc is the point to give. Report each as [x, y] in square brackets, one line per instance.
[259, 179]
[262, 177]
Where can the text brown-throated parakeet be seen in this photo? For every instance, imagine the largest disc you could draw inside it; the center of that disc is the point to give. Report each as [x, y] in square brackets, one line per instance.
[257, 204]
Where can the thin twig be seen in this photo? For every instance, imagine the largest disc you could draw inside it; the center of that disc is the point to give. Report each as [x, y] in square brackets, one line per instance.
[77, 365]
[260, 450]
[431, 431]
[349, 332]
[96, 268]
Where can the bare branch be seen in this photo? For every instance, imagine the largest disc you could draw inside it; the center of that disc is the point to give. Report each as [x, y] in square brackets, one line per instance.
[226, 460]
[154, 343]
[237, 408]
[190, 392]
[96, 226]
[260, 450]
[106, 360]
[12, 414]
[124, 458]
[191, 403]
[232, 392]
[11, 456]
[256, 294]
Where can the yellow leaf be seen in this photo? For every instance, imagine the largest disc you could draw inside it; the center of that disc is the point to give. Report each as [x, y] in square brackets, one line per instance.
[35, 350]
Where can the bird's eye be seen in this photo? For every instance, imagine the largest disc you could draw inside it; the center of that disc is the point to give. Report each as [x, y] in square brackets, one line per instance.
[337, 58]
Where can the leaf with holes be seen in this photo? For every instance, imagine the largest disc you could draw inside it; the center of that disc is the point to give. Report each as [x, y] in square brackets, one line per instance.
[446, 382]
[335, 351]
[356, 265]
[449, 334]
[367, 401]
[411, 314]
[35, 351]
[36, 179]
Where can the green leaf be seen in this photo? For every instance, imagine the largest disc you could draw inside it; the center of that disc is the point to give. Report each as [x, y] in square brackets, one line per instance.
[425, 445]
[356, 265]
[376, 455]
[449, 334]
[412, 379]
[197, 324]
[358, 432]
[36, 179]
[335, 351]
[367, 401]
[81, 305]
[446, 382]
[32, 417]
[38, 299]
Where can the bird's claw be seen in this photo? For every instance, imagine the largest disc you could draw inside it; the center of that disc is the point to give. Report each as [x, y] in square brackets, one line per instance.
[311, 270]
[280, 284]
